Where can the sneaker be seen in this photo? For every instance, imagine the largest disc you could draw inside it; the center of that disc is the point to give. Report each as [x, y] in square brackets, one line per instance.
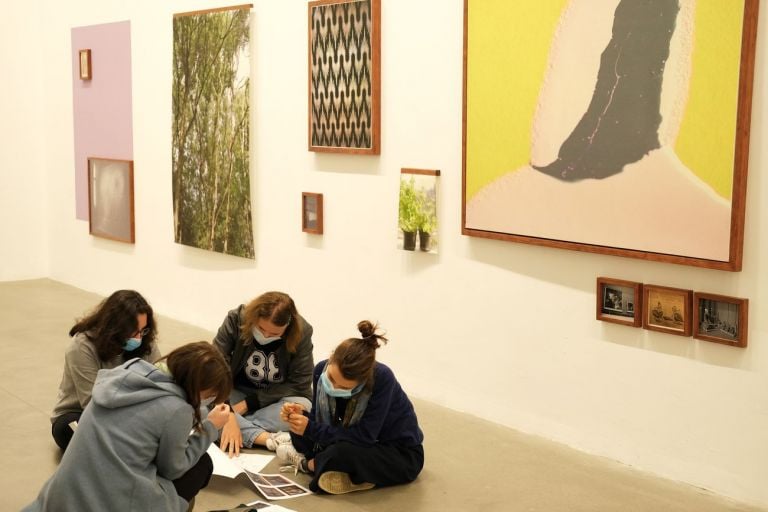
[294, 460]
[338, 482]
[275, 439]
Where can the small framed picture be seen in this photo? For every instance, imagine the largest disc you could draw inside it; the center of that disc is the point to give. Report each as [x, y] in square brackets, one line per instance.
[617, 301]
[85, 64]
[110, 199]
[312, 213]
[720, 319]
[667, 309]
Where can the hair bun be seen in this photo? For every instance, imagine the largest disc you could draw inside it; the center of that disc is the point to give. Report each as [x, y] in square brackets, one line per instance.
[370, 336]
[366, 328]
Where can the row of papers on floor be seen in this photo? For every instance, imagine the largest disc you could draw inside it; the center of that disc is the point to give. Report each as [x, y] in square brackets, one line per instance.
[272, 487]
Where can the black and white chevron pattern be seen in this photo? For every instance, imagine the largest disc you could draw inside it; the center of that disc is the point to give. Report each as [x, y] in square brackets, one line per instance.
[341, 101]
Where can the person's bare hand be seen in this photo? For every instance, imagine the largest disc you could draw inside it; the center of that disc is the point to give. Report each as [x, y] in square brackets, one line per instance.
[231, 437]
[289, 408]
[298, 423]
[219, 416]
[240, 408]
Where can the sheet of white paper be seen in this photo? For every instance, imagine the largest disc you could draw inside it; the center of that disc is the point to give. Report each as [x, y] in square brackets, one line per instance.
[253, 462]
[224, 466]
[266, 507]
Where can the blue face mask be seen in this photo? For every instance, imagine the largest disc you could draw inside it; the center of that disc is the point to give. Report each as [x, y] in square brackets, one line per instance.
[205, 402]
[337, 393]
[132, 344]
[261, 339]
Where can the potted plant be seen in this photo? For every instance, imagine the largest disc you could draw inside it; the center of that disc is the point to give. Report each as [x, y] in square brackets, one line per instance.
[408, 214]
[427, 220]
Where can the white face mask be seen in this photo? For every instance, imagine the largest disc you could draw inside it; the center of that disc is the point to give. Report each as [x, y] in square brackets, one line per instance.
[261, 339]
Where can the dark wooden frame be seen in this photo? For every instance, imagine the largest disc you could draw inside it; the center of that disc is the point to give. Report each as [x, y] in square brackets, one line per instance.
[86, 68]
[318, 229]
[741, 158]
[743, 304]
[637, 319]
[375, 148]
[687, 296]
[423, 172]
[95, 232]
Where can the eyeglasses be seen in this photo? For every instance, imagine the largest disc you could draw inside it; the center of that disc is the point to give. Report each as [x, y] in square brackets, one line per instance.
[142, 332]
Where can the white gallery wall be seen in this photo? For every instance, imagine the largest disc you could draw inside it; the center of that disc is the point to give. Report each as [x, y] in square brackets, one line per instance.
[500, 330]
[23, 187]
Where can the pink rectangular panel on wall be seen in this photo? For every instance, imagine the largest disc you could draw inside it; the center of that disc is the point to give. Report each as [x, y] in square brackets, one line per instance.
[103, 119]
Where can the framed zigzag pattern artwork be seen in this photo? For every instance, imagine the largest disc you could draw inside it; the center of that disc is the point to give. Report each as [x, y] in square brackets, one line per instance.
[344, 76]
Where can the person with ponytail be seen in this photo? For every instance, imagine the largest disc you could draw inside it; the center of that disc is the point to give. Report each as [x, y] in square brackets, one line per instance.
[133, 450]
[362, 431]
[268, 345]
[122, 327]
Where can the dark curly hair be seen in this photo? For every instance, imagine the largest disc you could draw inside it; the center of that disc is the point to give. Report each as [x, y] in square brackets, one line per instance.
[114, 321]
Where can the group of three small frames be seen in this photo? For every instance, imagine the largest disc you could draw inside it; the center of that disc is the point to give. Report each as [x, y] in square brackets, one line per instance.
[705, 316]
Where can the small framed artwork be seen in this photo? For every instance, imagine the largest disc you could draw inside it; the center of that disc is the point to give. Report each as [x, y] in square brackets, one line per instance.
[619, 301]
[720, 319]
[667, 309]
[344, 76]
[417, 210]
[312, 213]
[110, 199]
[85, 64]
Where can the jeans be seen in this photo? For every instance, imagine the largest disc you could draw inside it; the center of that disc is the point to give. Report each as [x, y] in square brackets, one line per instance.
[266, 419]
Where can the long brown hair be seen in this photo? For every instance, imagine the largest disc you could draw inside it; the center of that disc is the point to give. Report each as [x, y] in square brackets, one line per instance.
[113, 321]
[197, 367]
[356, 357]
[278, 308]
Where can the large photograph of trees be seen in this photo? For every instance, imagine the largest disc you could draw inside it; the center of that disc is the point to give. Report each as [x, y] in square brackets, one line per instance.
[211, 178]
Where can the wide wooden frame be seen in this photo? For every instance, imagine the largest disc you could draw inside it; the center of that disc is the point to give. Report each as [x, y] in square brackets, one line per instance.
[655, 318]
[621, 314]
[309, 225]
[700, 322]
[86, 70]
[375, 72]
[741, 156]
[114, 220]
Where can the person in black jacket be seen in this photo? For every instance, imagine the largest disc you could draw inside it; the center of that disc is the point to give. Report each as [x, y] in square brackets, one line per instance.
[269, 349]
[362, 431]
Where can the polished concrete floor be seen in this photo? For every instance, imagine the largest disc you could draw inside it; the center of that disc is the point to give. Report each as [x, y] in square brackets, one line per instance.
[471, 464]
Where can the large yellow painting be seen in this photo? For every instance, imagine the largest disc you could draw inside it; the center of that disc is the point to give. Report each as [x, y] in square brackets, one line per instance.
[609, 126]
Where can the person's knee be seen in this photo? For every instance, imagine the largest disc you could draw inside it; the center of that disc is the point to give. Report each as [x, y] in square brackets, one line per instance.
[305, 403]
[206, 464]
[340, 451]
[204, 470]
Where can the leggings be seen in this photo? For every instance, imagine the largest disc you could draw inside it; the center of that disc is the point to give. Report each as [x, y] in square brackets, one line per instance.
[189, 484]
[61, 431]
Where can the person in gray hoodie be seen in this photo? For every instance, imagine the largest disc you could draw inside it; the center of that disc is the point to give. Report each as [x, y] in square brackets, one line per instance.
[132, 450]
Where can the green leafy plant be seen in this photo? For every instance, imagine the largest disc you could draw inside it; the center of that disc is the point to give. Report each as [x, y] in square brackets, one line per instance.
[408, 211]
[427, 220]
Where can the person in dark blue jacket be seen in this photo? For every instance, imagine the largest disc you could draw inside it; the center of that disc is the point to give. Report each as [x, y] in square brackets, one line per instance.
[362, 431]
